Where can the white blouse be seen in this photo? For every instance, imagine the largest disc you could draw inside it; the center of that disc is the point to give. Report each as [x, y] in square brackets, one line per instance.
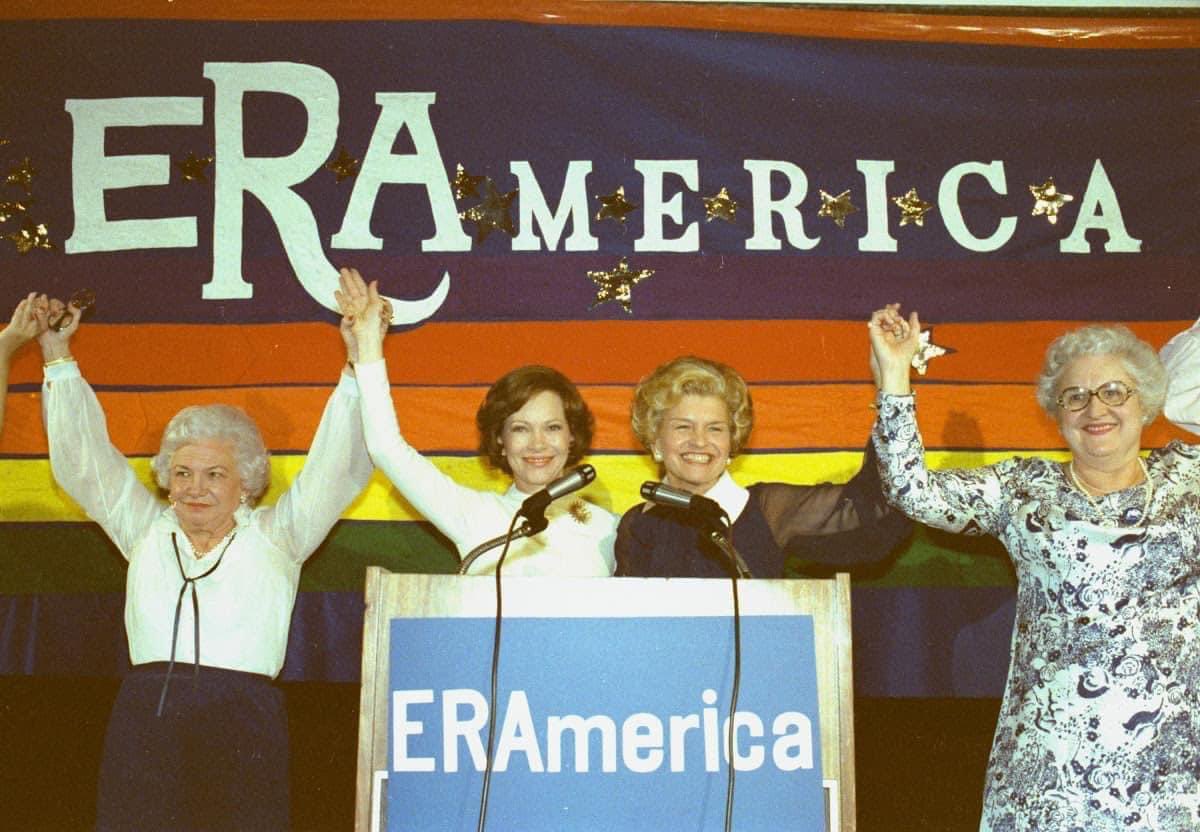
[246, 603]
[578, 542]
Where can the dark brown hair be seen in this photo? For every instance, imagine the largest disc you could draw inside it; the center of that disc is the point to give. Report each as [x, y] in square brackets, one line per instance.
[510, 393]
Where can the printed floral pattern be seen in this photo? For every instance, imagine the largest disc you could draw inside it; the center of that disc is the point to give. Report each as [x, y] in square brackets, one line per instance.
[1099, 728]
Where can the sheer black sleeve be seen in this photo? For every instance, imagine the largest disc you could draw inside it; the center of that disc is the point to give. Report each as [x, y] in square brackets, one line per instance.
[834, 524]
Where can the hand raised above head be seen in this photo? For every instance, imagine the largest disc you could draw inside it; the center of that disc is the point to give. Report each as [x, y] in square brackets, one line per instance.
[894, 342]
[24, 325]
[365, 315]
[55, 343]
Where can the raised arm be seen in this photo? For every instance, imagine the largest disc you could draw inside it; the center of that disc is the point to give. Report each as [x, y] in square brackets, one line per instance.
[453, 508]
[84, 461]
[336, 471]
[967, 501]
[20, 330]
[1181, 355]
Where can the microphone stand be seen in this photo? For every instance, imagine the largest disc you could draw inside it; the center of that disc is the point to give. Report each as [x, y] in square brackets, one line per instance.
[535, 521]
[723, 543]
[529, 528]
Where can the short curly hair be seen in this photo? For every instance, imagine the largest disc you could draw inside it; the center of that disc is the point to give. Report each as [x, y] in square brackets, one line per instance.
[691, 376]
[1141, 361]
[510, 393]
[217, 422]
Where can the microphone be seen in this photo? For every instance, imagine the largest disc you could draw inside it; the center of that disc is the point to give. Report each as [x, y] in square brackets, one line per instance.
[665, 495]
[535, 504]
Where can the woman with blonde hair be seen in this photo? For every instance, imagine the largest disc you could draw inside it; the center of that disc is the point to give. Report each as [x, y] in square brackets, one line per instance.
[694, 415]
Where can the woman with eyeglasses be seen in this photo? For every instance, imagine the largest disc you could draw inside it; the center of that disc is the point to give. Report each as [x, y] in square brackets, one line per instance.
[1099, 727]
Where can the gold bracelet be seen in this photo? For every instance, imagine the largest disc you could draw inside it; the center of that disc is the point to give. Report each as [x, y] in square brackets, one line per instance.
[62, 360]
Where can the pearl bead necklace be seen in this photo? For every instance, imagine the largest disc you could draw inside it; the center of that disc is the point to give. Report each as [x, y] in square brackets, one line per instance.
[1096, 505]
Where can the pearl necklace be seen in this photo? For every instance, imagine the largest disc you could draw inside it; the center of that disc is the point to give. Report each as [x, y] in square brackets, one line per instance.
[1096, 505]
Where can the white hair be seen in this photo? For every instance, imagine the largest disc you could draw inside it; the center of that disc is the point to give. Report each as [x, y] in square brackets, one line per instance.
[220, 422]
[1141, 361]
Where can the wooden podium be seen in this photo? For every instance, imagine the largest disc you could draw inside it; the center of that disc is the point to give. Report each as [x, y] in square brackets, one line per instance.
[390, 596]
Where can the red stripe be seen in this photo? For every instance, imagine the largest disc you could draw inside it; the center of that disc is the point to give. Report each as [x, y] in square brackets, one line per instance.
[590, 352]
[1060, 32]
[788, 417]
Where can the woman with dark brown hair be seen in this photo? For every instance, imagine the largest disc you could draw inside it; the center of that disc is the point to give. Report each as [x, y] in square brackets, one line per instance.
[532, 424]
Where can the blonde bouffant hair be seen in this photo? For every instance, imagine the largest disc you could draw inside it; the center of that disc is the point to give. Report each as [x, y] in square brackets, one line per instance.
[691, 376]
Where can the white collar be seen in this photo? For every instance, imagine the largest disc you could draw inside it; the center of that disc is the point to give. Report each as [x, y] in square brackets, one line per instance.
[729, 496]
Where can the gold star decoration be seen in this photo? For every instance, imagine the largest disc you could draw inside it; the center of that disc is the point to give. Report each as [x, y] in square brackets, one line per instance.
[9, 209]
[912, 208]
[465, 184]
[491, 213]
[928, 352]
[618, 284]
[836, 208]
[720, 206]
[22, 175]
[614, 206]
[1048, 200]
[579, 512]
[344, 166]
[32, 235]
[194, 168]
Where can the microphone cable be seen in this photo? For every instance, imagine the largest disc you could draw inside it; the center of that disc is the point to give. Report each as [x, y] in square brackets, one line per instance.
[730, 725]
[495, 676]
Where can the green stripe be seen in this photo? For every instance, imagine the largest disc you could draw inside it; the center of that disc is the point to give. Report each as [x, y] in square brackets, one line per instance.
[77, 557]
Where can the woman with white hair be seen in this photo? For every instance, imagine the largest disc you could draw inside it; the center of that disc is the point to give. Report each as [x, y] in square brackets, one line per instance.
[1099, 728]
[198, 733]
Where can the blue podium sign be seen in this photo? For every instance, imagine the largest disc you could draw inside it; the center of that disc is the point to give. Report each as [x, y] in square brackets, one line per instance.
[604, 724]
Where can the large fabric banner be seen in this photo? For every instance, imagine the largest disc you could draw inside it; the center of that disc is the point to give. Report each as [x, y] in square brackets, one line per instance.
[595, 186]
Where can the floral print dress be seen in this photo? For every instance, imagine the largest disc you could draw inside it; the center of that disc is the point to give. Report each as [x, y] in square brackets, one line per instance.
[1099, 727]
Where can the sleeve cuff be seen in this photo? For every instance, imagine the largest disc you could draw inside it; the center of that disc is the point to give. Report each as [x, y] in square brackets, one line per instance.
[370, 372]
[62, 370]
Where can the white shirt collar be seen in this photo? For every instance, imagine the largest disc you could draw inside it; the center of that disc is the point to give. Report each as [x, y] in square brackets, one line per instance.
[729, 495]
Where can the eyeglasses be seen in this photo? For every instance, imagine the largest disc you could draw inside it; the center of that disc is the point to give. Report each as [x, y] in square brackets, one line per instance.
[1111, 393]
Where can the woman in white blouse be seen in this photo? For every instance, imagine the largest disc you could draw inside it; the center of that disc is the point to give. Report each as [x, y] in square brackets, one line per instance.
[532, 424]
[198, 733]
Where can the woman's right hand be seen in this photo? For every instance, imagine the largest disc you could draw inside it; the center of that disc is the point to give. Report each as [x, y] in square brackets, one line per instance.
[894, 342]
[56, 344]
[365, 315]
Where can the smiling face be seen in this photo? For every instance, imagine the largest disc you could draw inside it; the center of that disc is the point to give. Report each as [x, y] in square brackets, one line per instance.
[1101, 436]
[536, 441]
[694, 441]
[205, 487]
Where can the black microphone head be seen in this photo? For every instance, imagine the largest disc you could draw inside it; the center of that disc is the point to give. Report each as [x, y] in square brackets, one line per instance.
[650, 490]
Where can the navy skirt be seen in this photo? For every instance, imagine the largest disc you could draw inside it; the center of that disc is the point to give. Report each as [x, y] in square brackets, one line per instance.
[216, 759]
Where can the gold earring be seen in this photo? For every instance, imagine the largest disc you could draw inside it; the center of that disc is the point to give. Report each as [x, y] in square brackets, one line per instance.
[657, 454]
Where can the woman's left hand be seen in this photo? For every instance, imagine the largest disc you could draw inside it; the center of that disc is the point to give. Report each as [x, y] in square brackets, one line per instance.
[365, 315]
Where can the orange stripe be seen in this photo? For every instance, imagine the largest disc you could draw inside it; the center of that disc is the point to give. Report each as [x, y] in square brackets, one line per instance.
[442, 419]
[590, 352]
[1069, 32]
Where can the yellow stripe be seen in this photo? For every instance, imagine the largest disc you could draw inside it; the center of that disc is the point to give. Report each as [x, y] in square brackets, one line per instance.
[30, 494]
